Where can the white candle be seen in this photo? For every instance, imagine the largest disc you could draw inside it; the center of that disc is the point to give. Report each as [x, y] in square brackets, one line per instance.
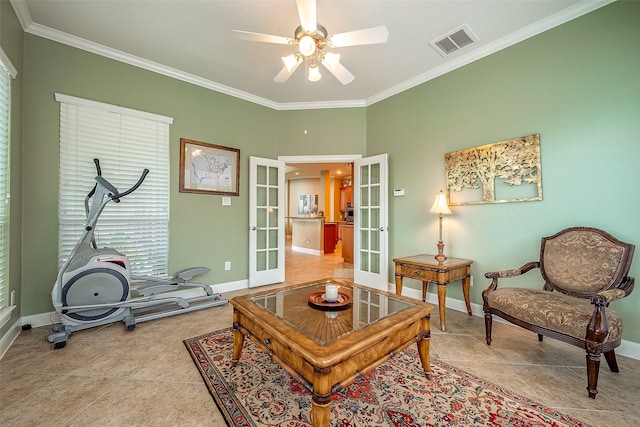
[331, 293]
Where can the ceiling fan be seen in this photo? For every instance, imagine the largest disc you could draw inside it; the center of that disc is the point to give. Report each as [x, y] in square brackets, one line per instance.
[312, 40]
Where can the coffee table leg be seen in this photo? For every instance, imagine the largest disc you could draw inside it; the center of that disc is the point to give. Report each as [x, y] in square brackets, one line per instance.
[424, 340]
[238, 338]
[320, 411]
[238, 341]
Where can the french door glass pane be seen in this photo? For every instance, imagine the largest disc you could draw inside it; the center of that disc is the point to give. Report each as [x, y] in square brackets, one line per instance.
[364, 175]
[375, 173]
[261, 217]
[261, 240]
[375, 262]
[273, 259]
[261, 175]
[375, 195]
[364, 218]
[261, 261]
[364, 261]
[261, 199]
[273, 217]
[273, 196]
[374, 216]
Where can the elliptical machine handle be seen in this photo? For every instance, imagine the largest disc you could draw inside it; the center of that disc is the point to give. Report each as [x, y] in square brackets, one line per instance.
[116, 197]
[93, 190]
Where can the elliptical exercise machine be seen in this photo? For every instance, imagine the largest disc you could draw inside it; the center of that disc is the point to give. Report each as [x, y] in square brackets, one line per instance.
[95, 287]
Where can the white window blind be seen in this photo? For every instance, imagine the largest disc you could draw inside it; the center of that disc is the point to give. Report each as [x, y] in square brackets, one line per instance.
[126, 142]
[6, 72]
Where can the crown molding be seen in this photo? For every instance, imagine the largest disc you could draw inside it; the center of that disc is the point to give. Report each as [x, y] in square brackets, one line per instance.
[559, 18]
[22, 12]
[107, 52]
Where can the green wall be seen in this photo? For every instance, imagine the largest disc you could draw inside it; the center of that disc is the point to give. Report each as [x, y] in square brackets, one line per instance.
[578, 86]
[329, 132]
[11, 40]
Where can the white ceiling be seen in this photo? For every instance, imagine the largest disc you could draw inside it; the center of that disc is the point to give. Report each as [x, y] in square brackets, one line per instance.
[192, 40]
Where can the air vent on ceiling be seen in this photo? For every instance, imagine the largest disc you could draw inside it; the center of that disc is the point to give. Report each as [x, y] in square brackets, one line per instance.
[454, 40]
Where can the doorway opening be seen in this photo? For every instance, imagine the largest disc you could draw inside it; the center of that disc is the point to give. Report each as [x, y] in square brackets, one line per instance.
[328, 178]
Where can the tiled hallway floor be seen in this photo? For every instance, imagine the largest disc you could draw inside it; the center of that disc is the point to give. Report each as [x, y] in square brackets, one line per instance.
[145, 377]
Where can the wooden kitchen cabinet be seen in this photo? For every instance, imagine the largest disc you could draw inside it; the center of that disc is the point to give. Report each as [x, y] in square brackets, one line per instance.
[345, 198]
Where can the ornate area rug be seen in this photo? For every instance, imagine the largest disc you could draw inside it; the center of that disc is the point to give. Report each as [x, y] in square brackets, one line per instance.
[258, 392]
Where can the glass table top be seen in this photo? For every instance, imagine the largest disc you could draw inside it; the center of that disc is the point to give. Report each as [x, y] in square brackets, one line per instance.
[326, 325]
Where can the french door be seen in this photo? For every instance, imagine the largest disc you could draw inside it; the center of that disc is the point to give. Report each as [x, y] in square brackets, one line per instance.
[266, 221]
[370, 233]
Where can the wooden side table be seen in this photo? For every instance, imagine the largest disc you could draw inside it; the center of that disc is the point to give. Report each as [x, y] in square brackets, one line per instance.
[427, 269]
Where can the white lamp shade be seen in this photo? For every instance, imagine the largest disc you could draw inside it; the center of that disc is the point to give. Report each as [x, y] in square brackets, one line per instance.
[440, 205]
[314, 73]
[307, 46]
[290, 61]
[331, 60]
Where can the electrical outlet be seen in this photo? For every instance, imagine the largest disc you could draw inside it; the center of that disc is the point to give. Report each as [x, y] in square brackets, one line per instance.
[471, 277]
[227, 265]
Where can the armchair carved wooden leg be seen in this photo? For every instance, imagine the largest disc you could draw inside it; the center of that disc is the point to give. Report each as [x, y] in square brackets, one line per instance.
[593, 368]
[610, 357]
[488, 321]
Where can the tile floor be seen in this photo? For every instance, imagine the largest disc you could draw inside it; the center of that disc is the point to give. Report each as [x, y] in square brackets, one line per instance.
[108, 376]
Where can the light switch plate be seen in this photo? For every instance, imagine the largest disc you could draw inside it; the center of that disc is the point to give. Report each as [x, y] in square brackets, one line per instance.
[226, 201]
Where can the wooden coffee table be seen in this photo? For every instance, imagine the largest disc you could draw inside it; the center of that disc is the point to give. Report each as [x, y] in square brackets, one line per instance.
[326, 349]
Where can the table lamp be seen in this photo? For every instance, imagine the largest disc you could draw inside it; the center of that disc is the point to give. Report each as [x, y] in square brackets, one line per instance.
[440, 207]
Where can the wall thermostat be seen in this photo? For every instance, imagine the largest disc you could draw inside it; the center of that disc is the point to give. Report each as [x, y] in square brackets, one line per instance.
[397, 192]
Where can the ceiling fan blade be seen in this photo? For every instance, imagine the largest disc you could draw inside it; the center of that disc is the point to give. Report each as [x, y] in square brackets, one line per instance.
[341, 73]
[307, 13]
[359, 37]
[284, 74]
[258, 37]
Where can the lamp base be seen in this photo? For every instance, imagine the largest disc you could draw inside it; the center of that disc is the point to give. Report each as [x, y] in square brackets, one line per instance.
[441, 256]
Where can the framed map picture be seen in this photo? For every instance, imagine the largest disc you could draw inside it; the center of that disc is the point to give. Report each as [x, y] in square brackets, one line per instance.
[209, 168]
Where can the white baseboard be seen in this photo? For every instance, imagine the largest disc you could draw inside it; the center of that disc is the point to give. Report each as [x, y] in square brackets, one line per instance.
[9, 337]
[306, 250]
[231, 286]
[627, 348]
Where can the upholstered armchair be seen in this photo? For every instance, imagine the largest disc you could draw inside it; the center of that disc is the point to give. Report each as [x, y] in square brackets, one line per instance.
[584, 269]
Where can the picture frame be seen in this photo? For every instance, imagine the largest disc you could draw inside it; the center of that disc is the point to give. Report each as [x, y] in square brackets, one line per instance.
[209, 168]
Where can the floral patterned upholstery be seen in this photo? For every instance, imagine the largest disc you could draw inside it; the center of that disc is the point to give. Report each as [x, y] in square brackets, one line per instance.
[581, 261]
[561, 313]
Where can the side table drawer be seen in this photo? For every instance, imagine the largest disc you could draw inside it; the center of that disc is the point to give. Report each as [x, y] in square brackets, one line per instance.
[417, 273]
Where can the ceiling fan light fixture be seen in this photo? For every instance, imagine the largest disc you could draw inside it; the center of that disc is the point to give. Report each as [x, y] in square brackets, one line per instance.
[314, 73]
[291, 61]
[330, 60]
[307, 46]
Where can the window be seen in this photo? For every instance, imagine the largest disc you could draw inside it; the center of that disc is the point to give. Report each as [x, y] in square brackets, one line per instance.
[6, 73]
[126, 142]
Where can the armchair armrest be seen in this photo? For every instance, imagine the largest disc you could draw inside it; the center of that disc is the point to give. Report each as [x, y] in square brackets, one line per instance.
[495, 275]
[605, 297]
